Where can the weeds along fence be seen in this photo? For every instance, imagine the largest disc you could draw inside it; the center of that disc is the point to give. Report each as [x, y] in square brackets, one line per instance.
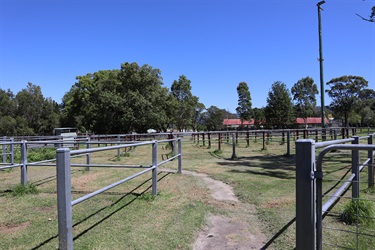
[343, 221]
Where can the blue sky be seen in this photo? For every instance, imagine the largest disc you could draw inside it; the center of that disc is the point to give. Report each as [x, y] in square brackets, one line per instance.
[216, 44]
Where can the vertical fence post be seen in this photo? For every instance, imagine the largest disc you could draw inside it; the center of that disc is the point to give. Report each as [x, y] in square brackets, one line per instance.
[4, 150]
[174, 146]
[12, 151]
[305, 195]
[155, 170]
[64, 203]
[234, 146]
[355, 169]
[179, 156]
[24, 162]
[370, 163]
[88, 155]
[247, 138]
[219, 141]
[203, 139]
[209, 139]
[288, 142]
[119, 149]
[264, 140]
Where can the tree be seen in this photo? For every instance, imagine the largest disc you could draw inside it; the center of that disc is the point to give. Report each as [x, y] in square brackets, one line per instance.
[259, 117]
[344, 92]
[185, 102]
[198, 117]
[366, 107]
[304, 92]
[279, 109]
[214, 118]
[244, 109]
[118, 101]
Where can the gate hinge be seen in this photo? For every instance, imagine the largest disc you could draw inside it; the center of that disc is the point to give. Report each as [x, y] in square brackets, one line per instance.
[316, 175]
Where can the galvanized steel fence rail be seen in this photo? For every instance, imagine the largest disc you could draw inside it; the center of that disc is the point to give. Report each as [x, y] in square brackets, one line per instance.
[309, 175]
[63, 165]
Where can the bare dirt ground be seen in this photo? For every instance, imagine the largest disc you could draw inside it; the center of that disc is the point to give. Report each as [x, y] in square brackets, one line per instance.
[239, 229]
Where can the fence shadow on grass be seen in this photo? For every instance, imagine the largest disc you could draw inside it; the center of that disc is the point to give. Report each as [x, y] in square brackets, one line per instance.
[132, 192]
[277, 166]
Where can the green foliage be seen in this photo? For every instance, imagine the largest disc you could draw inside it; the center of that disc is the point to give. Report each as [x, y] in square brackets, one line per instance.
[184, 102]
[28, 112]
[344, 92]
[118, 101]
[147, 196]
[279, 110]
[214, 118]
[304, 92]
[21, 190]
[357, 211]
[244, 109]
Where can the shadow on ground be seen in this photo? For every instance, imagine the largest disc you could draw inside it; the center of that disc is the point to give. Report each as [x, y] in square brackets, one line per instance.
[132, 192]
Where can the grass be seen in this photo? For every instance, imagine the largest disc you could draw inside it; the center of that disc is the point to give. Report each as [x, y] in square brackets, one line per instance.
[129, 217]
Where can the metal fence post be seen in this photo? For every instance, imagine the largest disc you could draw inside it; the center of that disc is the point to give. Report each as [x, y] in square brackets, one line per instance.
[288, 142]
[12, 151]
[4, 150]
[118, 150]
[174, 145]
[64, 202]
[24, 162]
[88, 155]
[305, 195]
[234, 146]
[155, 170]
[179, 156]
[371, 162]
[355, 169]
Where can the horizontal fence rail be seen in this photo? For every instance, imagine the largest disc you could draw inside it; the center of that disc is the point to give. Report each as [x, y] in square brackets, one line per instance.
[309, 175]
[65, 204]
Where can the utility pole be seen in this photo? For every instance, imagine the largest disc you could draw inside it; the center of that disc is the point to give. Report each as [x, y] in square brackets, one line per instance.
[321, 68]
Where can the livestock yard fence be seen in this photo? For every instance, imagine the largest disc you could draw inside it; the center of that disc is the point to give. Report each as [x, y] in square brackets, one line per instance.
[316, 182]
[63, 171]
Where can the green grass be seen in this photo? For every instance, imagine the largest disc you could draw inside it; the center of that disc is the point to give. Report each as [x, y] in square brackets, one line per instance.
[129, 217]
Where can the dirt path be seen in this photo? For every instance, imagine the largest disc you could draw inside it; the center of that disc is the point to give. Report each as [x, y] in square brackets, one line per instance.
[239, 229]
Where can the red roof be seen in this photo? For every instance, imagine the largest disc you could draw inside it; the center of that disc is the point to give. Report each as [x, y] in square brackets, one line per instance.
[237, 122]
[310, 120]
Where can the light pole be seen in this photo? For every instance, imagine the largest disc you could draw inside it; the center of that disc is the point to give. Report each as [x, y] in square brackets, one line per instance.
[321, 62]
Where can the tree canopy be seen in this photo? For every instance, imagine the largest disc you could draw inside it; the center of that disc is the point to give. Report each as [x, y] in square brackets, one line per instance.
[279, 110]
[304, 92]
[244, 109]
[345, 91]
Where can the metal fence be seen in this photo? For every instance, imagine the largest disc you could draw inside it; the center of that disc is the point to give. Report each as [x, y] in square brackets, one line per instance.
[64, 199]
[310, 209]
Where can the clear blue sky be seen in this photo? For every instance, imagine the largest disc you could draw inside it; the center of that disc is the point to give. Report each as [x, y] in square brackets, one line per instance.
[215, 43]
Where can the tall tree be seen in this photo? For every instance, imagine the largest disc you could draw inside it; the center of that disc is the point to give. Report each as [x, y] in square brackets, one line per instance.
[244, 109]
[304, 92]
[344, 92]
[279, 109]
[186, 103]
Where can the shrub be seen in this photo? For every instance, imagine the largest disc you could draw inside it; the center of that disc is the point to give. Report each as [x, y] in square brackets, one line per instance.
[357, 211]
[20, 189]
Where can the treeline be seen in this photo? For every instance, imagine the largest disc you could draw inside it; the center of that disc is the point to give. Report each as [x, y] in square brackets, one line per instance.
[133, 99]
[353, 103]
[28, 112]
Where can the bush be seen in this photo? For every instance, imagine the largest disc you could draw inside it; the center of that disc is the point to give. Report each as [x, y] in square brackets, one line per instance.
[357, 211]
